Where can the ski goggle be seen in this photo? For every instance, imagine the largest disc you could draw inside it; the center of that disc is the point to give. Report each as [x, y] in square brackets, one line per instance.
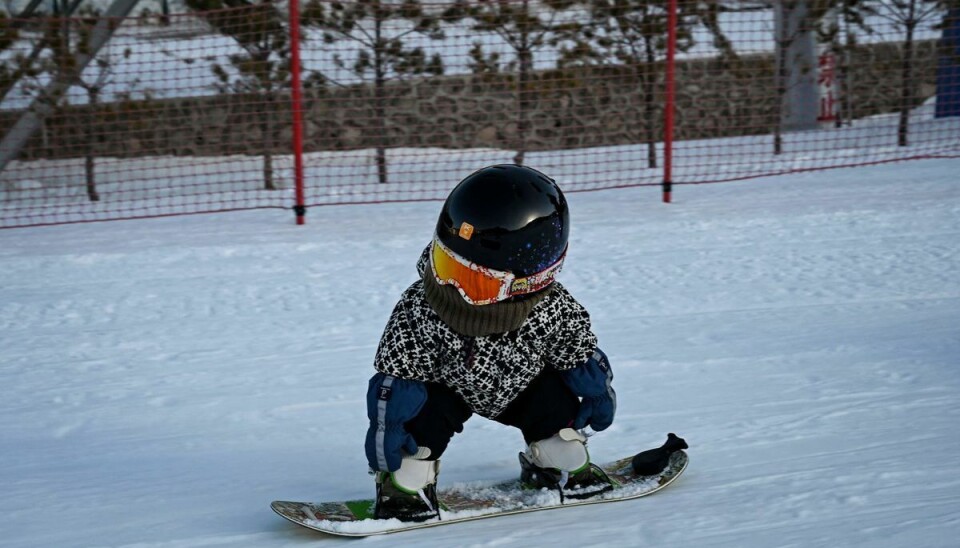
[479, 285]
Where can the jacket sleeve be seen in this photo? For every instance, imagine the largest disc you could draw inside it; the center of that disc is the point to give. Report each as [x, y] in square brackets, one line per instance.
[572, 343]
[403, 350]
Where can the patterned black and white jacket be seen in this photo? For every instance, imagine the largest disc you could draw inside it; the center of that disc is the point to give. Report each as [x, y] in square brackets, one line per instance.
[488, 372]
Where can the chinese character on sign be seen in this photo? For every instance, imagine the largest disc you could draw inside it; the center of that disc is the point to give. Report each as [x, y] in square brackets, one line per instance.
[827, 85]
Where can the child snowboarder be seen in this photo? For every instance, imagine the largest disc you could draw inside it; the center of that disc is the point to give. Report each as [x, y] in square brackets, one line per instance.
[487, 330]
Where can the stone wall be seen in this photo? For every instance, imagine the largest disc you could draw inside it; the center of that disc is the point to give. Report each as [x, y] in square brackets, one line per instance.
[571, 108]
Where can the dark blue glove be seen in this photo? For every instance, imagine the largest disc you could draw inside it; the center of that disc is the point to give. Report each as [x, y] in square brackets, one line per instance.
[390, 403]
[590, 381]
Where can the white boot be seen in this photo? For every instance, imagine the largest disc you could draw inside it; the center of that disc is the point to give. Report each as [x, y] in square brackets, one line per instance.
[565, 451]
[415, 473]
[562, 462]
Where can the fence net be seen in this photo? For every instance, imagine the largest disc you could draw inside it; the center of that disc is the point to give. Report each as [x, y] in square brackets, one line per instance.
[112, 113]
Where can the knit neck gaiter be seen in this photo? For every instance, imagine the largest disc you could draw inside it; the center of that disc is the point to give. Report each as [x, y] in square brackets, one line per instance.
[477, 321]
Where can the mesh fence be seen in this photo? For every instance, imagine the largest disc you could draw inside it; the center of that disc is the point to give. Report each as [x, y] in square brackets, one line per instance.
[111, 113]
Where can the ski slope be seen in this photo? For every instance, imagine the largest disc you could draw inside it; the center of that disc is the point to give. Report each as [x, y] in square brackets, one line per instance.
[161, 381]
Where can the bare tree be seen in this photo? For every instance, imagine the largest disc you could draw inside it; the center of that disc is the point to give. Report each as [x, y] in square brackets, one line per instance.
[709, 14]
[263, 67]
[378, 28]
[94, 85]
[8, 36]
[632, 34]
[67, 38]
[525, 27]
[908, 15]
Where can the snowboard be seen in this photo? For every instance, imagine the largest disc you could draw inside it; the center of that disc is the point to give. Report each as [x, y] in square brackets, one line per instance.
[469, 502]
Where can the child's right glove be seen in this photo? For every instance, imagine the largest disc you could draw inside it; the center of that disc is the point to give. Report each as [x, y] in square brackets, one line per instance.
[590, 381]
[391, 402]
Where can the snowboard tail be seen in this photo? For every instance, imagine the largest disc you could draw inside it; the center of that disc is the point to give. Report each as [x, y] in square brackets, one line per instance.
[473, 502]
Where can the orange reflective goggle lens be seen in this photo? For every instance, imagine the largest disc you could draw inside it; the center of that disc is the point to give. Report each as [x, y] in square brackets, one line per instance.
[480, 285]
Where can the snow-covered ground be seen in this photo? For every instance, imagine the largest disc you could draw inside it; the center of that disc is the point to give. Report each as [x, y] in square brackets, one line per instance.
[161, 381]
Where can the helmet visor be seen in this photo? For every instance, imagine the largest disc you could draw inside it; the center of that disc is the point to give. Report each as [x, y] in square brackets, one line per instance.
[479, 285]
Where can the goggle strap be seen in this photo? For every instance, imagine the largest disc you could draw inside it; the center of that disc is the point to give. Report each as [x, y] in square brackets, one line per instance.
[509, 285]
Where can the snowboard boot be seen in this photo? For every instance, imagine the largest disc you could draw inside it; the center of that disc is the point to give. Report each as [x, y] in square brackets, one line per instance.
[562, 463]
[410, 493]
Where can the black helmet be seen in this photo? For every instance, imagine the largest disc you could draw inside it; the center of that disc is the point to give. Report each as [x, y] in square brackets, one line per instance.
[506, 217]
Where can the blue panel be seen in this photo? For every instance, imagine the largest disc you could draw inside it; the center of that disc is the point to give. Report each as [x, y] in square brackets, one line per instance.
[948, 69]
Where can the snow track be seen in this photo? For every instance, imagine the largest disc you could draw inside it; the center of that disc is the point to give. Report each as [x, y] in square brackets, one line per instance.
[163, 380]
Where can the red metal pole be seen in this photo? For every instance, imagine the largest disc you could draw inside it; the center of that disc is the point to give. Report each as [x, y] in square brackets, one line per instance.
[297, 106]
[669, 102]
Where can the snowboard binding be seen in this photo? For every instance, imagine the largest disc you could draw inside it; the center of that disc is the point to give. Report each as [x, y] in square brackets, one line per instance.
[395, 502]
[562, 463]
[585, 483]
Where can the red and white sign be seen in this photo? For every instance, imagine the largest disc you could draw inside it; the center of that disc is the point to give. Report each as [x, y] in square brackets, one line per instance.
[827, 86]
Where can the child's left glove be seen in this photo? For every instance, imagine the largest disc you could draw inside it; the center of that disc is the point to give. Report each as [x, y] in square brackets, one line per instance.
[591, 381]
[391, 402]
